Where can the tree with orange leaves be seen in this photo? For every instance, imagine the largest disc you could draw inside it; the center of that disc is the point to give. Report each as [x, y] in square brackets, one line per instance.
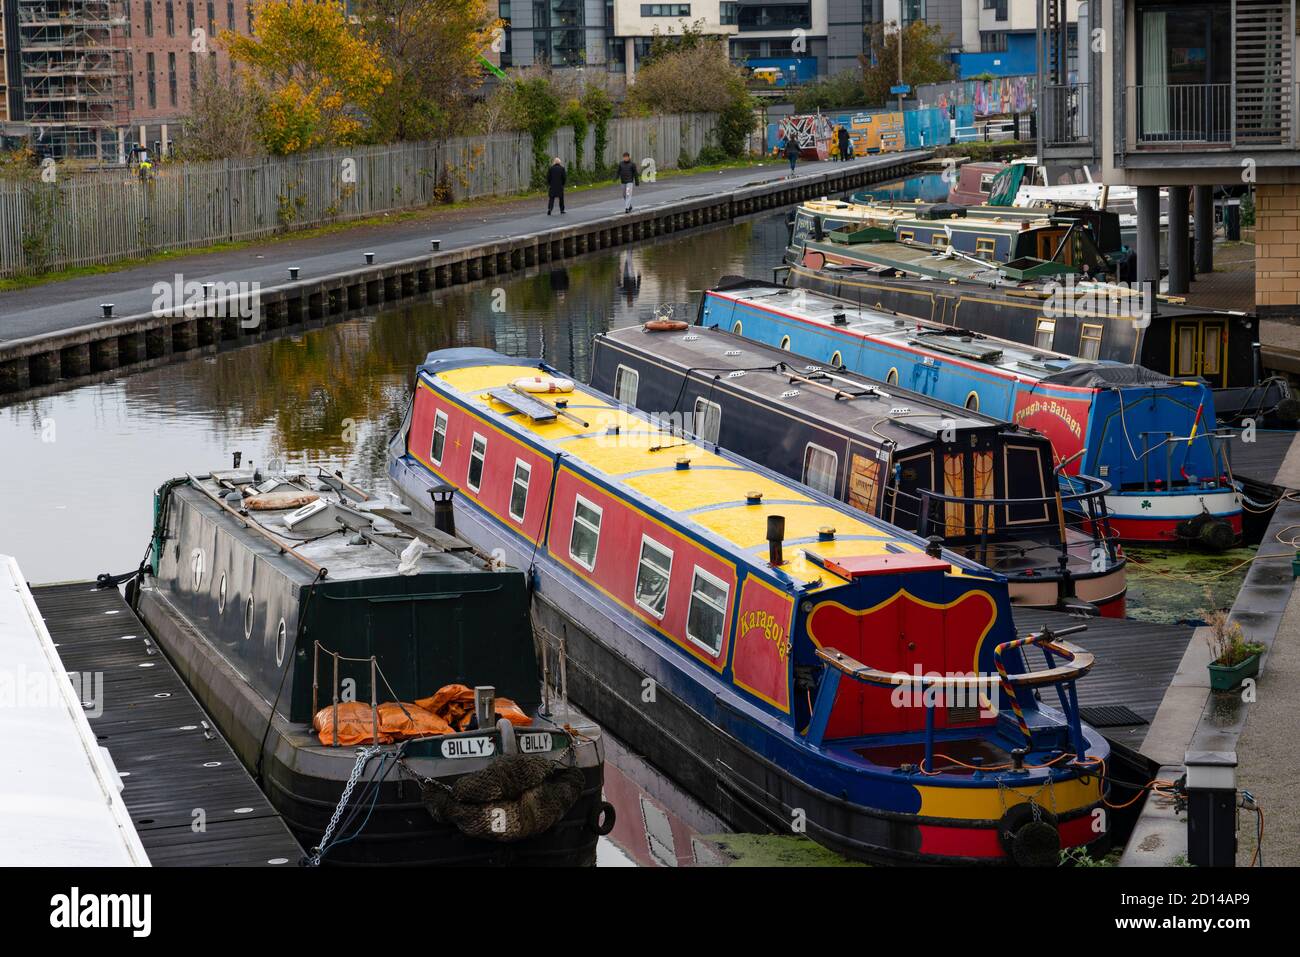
[316, 76]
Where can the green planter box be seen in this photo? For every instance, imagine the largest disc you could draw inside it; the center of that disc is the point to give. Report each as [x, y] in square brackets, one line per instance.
[1227, 677]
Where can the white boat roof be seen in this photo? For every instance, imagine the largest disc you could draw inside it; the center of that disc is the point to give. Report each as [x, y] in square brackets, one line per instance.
[60, 796]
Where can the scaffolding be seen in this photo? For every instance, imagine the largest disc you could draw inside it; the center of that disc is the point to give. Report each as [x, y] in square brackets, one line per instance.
[72, 62]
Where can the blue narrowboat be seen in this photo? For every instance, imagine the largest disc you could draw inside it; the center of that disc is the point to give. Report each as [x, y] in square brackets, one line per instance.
[1153, 438]
[796, 664]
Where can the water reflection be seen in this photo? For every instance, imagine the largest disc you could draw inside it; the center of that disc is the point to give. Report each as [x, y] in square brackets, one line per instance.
[81, 465]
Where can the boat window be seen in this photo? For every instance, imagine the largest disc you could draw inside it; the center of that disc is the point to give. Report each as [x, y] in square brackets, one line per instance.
[708, 420]
[891, 378]
[585, 536]
[1210, 352]
[248, 618]
[836, 359]
[785, 343]
[221, 595]
[906, 235]
[708, 612]
[736, 327]
[820, 469]
[652, 577]
[1024, 467]
[1044, 334]
[626, 383]
[986, 247]
[281, 639]
[1090, 341]
[1186, 364]
[519, 490]
[439, 438]
[477, 453]
[973, 401]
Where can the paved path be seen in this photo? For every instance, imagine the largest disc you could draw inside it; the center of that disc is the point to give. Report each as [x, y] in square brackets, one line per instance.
[72, 302]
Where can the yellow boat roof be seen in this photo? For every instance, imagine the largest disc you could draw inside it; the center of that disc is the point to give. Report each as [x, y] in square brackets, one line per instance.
[711, 495]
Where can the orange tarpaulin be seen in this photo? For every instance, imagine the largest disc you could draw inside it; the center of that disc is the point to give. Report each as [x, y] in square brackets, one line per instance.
[448, 711]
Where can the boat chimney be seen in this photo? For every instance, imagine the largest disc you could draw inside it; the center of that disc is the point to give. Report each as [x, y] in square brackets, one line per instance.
[934, 546]
[444, 519]
[237, 457]
[485, 706]
[775, 534]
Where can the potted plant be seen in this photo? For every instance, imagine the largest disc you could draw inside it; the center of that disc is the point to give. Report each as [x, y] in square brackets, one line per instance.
[1233, 659]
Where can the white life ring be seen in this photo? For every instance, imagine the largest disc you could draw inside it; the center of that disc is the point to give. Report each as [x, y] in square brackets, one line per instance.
[543, 384]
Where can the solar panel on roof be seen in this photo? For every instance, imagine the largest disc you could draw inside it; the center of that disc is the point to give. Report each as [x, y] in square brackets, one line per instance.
[523, 404]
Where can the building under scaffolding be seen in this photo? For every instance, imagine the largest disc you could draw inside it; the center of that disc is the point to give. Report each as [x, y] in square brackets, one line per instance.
[67, 74]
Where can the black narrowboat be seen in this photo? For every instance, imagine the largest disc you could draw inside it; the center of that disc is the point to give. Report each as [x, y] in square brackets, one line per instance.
[986, 487]
[374, 672]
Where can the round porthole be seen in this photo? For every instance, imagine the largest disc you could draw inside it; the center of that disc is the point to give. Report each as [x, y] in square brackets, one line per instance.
[892, 377]
[281, 635]
[973, 402]
[785, 343]
[221, 595]
[248, 618]
[736, 328]
[196, 565]
[837, 360]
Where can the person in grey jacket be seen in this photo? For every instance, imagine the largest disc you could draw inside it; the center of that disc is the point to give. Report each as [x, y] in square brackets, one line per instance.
[629, 176]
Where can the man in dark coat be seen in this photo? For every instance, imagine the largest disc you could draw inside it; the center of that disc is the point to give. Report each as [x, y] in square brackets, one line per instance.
[629, 176]
[555, 177]
[846, 147]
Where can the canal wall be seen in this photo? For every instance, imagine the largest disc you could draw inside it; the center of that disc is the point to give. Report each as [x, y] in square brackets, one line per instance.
[231, 313]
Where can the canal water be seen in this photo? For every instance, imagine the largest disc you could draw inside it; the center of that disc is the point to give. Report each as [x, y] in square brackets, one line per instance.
[81, 466]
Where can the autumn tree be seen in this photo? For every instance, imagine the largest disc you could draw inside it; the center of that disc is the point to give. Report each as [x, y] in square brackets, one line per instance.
[432, 50]
[318, 79]
[925, 59]
[224, 120]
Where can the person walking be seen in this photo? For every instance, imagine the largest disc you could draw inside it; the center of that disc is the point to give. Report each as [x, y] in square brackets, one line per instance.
[629, 176]
[846, 146]
[555, 177]
[791, 150]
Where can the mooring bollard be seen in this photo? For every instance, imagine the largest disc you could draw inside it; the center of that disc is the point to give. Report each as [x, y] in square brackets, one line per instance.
[107, 308]
[293, 272]
[435, 244]
[370, 258]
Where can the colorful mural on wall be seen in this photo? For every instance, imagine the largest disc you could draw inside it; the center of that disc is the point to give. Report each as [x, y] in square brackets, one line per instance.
[1006, 94]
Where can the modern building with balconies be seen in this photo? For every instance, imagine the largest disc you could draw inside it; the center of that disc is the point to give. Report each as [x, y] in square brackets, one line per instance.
[1196, 95]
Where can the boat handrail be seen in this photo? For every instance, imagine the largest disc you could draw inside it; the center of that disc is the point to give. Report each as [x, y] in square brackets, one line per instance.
[1077, 663]
[375, 672]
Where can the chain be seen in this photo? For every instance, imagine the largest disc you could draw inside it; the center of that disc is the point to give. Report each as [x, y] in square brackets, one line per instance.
[362, 758]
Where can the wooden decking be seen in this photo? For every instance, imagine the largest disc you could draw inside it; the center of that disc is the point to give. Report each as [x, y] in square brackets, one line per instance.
[191, 800]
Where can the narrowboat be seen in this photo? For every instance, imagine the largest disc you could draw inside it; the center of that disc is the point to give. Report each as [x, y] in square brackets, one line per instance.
[1069, 239]
[988, 488]
[374, 673]
[794, 663]
[1053, 307]
[1152, 438]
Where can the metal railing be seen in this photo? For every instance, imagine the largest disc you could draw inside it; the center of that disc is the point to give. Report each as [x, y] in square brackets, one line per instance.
[1182, 115]
[1079, 505]
[1067, 115]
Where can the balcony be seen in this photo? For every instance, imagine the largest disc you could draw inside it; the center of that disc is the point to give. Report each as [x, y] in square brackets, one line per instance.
[1067, 113]
[1210, 116]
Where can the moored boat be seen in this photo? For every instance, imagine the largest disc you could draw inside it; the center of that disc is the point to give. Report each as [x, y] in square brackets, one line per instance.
[988, 488]
[1152, 438]
[769, 646]
[375, 673]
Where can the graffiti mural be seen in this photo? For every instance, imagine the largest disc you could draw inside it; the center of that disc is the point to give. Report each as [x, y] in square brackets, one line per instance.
[812, 131]
[992, 97]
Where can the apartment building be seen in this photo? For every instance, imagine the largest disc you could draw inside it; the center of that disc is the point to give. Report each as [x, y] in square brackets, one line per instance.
[1199, 94]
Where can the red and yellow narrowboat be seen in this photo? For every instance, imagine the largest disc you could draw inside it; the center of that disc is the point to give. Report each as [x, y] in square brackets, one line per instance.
[794, 663]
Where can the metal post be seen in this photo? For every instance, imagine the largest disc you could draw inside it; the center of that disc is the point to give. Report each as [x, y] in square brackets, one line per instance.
[374, 701]
[929, 729]
[1178, 252]
[1211, 808]
[335, 742]
[1148, 236]
[1204, 213]
[315, 682]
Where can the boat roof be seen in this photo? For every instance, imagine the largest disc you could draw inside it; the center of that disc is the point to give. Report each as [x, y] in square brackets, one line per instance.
[937, 263]
[1011, 358]
[333, 524]
[60, 795]
[846, 401]
[993, 219]
[708, 498]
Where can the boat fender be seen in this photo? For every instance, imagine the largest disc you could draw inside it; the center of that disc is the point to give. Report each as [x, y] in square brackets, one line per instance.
[543, 384]
[665, 325]
[517, 796]
[508, 743]
[602, 818]
[1029, 836]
